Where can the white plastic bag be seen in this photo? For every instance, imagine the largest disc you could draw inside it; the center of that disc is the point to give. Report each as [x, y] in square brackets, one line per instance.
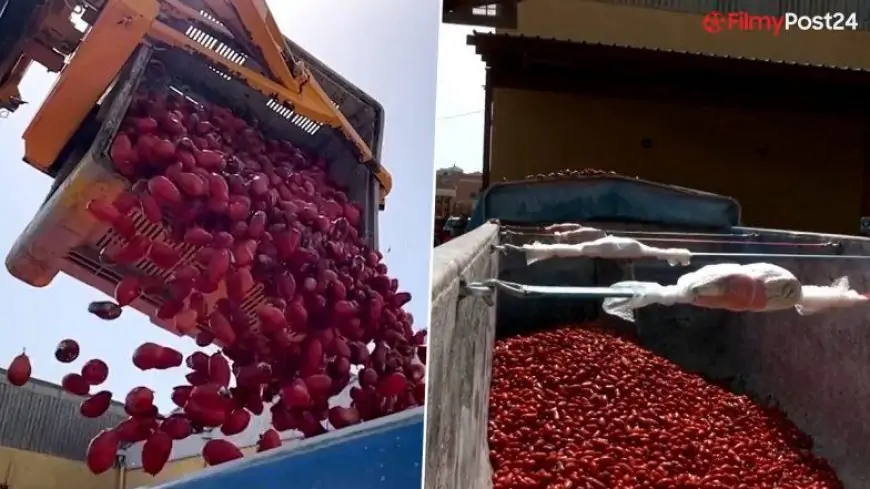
[579, 235]
[613, 247]
[571, 232]
[753, 287]
[817, 298]
[562, 227]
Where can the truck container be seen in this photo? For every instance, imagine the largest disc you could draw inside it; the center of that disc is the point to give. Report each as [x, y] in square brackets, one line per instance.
[75, 242]
[384, 454]
[64, 238]
[816, 368]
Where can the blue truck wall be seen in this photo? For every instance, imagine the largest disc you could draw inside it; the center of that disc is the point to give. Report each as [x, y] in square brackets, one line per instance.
[603, 198]
[382, 454]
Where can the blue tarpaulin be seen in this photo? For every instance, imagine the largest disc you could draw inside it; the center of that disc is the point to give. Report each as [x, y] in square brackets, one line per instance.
[380, 454]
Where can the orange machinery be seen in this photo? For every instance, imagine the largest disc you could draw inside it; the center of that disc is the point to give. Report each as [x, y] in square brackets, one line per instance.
[229, 49]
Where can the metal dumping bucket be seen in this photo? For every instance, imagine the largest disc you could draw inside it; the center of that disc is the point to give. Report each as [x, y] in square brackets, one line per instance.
[57, 240]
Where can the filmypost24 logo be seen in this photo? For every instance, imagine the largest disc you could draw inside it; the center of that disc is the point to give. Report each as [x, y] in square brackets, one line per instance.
[716, 22]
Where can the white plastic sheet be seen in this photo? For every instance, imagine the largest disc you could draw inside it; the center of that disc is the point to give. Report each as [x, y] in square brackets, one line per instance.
[571, 232]
[817, 298]
[611, 247]
[730, 286]
[561, 227]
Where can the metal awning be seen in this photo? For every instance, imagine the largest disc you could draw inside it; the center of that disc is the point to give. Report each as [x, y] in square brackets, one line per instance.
[499, 49]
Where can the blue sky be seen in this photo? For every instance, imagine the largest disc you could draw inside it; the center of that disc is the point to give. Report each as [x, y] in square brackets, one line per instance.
[459, 106]
[386, 47]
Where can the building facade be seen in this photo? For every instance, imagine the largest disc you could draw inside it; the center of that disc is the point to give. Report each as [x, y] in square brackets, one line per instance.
[456, 192]
[444, 199]
[641, 88]
[186, 454]
[43, 438]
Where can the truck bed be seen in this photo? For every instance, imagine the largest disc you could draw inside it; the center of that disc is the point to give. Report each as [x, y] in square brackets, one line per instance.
[814, 367]
[383, 454]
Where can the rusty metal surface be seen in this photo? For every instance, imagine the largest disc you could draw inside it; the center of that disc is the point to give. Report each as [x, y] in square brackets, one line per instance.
[40, 417]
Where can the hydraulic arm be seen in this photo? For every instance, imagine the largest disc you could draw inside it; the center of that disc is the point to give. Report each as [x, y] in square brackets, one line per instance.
[239, 38]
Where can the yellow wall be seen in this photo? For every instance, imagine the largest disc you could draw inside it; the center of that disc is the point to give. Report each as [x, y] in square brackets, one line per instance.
[814, 164]
[173, 470]
[584, 20]
[28, 470]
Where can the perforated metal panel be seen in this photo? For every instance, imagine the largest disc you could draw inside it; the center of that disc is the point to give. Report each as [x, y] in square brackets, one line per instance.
[87, 257]
[201, 83]
[62, 237]
[363, 112]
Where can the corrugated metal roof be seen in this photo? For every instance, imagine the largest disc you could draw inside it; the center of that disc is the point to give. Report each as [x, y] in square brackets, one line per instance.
[483, 40]
[41, 417]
